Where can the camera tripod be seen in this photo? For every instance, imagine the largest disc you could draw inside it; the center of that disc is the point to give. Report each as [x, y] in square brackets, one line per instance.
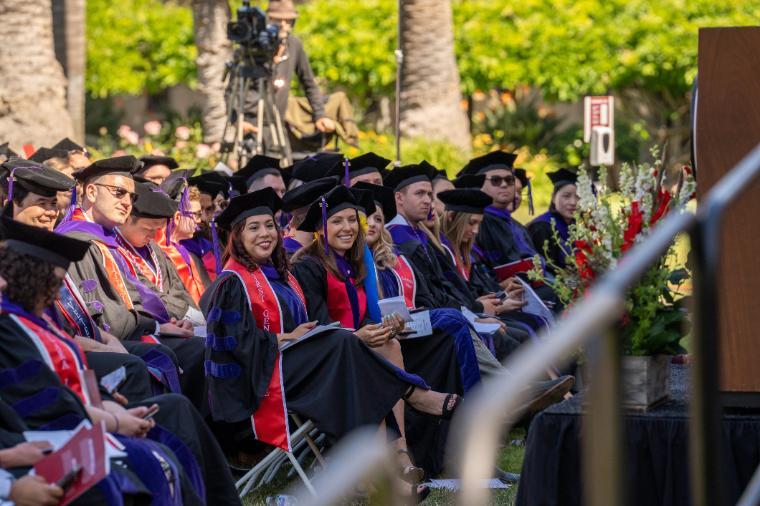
[271, 135]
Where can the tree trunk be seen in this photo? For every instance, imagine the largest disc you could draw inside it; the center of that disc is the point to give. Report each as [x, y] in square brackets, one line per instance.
[430, 96]
[69, 30]
[210, 19]
[32, 84]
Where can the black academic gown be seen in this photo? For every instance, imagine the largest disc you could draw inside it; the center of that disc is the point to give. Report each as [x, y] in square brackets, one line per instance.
[40, 399]
[333, 379]
[434, 358]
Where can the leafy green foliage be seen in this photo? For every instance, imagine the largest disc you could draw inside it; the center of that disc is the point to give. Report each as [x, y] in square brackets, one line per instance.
[136, 46]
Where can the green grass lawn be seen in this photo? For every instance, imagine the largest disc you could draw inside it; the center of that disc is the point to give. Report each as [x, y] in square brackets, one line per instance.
[510, 459]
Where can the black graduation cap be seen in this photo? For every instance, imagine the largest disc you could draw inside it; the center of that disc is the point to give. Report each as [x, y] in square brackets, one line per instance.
[67, 144]
[315, 166]
[211, 183]
[405, 175]
[151, 160]
[465, 200]
[259, 166]
[125, 165]
[336, 200]
[35, 177]
[37, 242]
[490, 161]
[152, 202]
[562, 177]
[440, 174]
[360, 165]
[307, 193]
[382, 195]
[470, 181]
[43, 154]
[264, 201]
[522, 175]
[176, 182]
[6, 151]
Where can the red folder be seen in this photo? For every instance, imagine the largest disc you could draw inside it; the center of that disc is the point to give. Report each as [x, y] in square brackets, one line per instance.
[86, 449]
[511, 269]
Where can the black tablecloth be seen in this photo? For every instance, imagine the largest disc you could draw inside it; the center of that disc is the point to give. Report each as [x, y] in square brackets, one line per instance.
[656, 465]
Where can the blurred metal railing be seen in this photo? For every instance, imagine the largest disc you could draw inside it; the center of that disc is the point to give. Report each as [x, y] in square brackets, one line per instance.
[492, 409]
[588, 324]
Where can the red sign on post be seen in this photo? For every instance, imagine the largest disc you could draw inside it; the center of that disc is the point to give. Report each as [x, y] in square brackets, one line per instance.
[597, 112]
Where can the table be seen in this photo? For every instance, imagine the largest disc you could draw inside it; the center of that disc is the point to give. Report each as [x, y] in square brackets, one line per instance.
[656, 465]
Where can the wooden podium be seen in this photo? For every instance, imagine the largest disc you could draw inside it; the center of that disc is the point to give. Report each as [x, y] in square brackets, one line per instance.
[727, 128]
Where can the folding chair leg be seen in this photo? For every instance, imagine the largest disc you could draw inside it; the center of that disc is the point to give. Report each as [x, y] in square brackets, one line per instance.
[302, 474]
[310, 441]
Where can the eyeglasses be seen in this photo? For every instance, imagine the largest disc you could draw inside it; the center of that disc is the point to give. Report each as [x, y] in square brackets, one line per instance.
[499, 180]
[276, 21]
[118, 192]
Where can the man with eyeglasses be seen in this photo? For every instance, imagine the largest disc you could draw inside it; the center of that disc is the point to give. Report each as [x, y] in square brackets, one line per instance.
[108, 281]
[501, 238]
[290, 58]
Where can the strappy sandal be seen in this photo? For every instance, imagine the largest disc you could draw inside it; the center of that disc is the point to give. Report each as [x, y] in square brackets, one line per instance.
[446, 411]
[411, 473]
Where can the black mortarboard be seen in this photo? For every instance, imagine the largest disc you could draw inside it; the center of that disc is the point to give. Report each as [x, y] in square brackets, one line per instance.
[37, 242]
[151, 160]
[522, 176]
[490, 161]
[6, 151]
[211, 183]
[465, 200]
[360, 165]
[43, 154]
[152, 202]
[176, 182]
[259, 166]
[336, 200]
[315, 166]
[264, 201]
[125, 165]
[67, 144]
[470, 181]
[440, 174]
[405, 175]
[382, 195]
[307, 193]
[35, 177]
[562, 177]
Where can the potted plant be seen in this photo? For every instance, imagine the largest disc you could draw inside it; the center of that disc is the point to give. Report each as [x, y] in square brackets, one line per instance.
[607, 224]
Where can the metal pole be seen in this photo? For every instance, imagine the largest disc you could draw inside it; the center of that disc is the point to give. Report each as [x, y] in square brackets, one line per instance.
[399, 61]
[602, 425]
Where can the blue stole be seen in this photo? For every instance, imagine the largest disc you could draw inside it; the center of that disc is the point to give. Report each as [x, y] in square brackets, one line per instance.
[77, 314]
[284, 291]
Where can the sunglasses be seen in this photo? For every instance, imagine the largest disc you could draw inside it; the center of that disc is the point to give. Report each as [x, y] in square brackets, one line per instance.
[499, 180]
[118, 192]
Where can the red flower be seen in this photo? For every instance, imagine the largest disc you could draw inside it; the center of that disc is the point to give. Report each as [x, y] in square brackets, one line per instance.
[634, 227]
[663, 200]
[582, 249]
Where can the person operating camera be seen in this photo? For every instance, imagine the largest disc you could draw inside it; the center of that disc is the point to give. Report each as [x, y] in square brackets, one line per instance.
[289, 58]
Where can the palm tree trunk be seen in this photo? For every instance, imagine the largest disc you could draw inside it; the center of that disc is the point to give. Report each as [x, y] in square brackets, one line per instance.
[210, 19]
[430, 97]
[70, 50]
[32, 85]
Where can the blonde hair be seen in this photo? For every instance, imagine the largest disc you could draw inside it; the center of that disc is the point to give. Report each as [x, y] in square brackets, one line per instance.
[382, 250]
[194, 194]
[454, 231]
[435, 234]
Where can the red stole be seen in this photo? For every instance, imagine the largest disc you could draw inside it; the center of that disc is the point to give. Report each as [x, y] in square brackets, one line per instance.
[270, 420]
[188, 272]
[60, 353]
[338, 303]
[463, 271]
[151, 273]
[406, 280]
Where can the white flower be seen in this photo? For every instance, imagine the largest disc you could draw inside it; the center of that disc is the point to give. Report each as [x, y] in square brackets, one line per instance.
[152, 127]
[202, 150]
[182, 133]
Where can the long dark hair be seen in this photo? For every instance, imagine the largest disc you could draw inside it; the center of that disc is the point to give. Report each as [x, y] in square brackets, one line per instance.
[354, 256]
[235, 249]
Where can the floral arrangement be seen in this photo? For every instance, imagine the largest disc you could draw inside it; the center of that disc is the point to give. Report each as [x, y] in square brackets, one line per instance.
[609, 223]
[183, 142]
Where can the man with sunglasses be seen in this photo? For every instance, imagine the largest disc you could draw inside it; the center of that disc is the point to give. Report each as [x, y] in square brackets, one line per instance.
[501, 238]
[109, 283]
[289, 59]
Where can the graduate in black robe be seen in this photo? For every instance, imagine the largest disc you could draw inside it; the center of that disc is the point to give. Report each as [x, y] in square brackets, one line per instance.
[253, 309]
[557, 219]
[49, 389]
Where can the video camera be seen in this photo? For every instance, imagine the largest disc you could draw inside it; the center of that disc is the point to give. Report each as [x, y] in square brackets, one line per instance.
[259, 39]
